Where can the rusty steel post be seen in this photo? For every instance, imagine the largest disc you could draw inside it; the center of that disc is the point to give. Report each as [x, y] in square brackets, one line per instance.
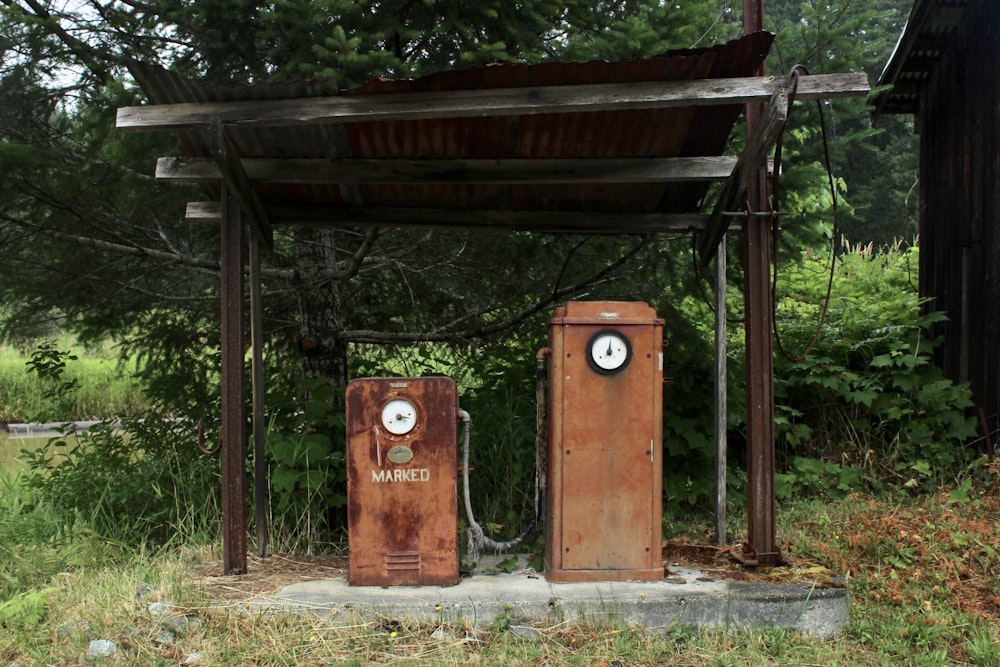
[721, 402]
[760, 547]
[232, 431]
[257, 389]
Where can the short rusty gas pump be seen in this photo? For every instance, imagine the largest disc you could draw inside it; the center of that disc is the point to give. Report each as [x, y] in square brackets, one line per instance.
[402, 472]
[603, 519]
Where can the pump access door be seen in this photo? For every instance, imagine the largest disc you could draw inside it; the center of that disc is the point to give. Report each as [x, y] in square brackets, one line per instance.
[402, 472]
[605, 476]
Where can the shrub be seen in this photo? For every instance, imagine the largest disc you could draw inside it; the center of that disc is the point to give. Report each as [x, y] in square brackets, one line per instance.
[867, 404]
[141, 481]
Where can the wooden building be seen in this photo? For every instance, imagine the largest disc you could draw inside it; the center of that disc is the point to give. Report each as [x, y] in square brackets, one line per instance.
[944, 72]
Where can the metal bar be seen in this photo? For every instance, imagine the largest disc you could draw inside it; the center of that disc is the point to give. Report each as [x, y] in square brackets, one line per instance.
[760, 547]
[233, 175]
[259, 426]
[233, 426]
[720, 392]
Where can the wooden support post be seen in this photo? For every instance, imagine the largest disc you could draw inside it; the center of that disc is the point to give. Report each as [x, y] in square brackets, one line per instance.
[233, 427]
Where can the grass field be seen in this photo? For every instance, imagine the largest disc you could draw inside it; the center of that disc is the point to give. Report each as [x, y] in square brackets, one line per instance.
[924, 576]
[104, 387]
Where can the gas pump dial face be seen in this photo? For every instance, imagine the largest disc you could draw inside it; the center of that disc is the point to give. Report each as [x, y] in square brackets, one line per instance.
[399, 416]
[609, 352]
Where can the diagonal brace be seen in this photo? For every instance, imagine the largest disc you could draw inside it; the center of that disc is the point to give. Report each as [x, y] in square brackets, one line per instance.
[744, 174]
[236, 179]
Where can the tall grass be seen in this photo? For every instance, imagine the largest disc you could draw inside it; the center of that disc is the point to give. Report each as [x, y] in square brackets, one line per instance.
[105, 387]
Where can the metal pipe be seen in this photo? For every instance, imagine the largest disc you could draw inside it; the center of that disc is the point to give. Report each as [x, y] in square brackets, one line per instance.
[720, 393]
[760, 547]
[257, 375]
[232, 432]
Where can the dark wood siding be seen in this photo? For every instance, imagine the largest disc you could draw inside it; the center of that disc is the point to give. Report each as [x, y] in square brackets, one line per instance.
[959, 123]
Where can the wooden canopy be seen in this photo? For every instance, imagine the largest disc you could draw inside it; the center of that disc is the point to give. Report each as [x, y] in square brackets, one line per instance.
[599, 147]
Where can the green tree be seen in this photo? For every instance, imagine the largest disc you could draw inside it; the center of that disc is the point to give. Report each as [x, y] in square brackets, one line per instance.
[107, 229]
[877, 168]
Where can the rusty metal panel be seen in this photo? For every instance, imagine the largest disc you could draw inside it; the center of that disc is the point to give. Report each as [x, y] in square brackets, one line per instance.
[402, 472]
[668, 132]
[605, 470]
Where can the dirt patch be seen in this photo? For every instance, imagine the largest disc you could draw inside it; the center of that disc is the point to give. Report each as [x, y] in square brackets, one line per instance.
[721, 563]
[266, 576]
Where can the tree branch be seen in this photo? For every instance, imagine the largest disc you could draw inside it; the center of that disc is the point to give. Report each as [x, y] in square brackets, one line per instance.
[442, 333]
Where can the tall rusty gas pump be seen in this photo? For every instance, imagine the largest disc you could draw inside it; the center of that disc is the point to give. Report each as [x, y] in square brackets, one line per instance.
[402, 472]
[603, 519]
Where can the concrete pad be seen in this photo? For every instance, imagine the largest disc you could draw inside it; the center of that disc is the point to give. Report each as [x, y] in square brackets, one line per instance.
[686, 597]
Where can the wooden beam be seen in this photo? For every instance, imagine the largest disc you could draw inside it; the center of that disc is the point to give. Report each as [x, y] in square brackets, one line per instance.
[630, 170]
[745, 174]
[483, 102]
[231, 170]
[437, 218]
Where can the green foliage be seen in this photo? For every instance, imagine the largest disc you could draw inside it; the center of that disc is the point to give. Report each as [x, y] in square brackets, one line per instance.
[876, 168]
[688, 437]
[27, 608]
[142, 481]
[48, 363]
[38, 540]
[307, 475]
[91, 385]
[867, 400]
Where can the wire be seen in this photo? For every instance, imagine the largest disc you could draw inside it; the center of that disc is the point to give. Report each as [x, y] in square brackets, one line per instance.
[791, 85]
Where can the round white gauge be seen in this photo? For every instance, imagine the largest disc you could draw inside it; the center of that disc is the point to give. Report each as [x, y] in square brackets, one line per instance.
[609, 352]
[399, 416]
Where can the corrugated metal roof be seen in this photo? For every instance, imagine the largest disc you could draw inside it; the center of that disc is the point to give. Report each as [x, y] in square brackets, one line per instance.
[924, 41]
[638, 133]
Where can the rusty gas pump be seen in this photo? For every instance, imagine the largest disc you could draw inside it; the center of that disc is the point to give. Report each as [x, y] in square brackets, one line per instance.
[603, 519]
[402, 471]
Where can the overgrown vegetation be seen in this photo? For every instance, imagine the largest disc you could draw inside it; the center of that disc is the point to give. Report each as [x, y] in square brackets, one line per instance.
[864, 410]
[56, 379]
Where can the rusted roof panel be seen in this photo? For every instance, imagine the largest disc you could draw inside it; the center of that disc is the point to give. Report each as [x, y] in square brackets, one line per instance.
[662, 132]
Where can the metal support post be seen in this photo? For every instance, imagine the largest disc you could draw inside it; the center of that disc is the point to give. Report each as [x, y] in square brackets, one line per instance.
[760, 547]
[257, 387]
[721, 405]
[232, 430]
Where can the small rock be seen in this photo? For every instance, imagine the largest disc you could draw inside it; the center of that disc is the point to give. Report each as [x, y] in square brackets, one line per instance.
[526, 632]
[67, 630]
[101, 648]
[180, 625]
[158, 608]
[143, 592]
[165, 638]
[442, 635]
[196, 658]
